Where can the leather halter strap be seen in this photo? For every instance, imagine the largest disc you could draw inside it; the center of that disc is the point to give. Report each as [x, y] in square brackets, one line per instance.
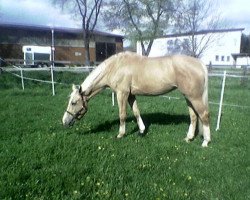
[76, 115]
[73, 115]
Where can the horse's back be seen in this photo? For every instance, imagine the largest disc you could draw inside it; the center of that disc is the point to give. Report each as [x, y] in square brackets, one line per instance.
[145, 75]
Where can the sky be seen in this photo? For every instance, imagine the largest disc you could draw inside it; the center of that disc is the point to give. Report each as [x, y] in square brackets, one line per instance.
[236, 13]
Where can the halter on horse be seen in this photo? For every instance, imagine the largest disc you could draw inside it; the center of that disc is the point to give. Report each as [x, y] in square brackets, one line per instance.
[77, 114]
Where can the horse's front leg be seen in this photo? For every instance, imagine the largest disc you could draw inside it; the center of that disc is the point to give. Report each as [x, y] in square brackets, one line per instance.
[122, 98]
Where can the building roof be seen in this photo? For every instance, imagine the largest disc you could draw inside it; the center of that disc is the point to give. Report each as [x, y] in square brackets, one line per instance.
[203, 32]
[240, 55]
[56, 29]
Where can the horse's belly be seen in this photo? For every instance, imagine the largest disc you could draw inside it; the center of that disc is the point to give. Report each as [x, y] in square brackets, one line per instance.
[152, 89]
[153, 81]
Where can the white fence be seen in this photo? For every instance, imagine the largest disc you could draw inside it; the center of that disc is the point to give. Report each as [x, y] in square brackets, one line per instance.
[88, 69]
[15, 69]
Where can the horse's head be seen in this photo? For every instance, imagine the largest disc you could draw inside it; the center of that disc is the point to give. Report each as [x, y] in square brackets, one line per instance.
[77, 107]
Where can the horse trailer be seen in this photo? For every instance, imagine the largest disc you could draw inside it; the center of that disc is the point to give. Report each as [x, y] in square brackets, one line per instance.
[37, 56]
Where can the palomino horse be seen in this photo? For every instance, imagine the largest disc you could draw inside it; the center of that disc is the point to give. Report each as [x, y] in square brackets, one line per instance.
[129, 74]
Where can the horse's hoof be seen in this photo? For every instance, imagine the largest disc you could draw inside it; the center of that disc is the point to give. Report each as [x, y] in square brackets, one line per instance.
[204, 144]
[119, 136]
[141, 134]
[187, 140]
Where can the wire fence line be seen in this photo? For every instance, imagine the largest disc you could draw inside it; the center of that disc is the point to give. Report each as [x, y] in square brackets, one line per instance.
[56, 69]
[88, 69]
[210, 102]
[34, 79]
[228, 75]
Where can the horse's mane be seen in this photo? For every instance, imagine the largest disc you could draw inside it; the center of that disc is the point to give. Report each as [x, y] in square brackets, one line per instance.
[101, 68]
[93, 76]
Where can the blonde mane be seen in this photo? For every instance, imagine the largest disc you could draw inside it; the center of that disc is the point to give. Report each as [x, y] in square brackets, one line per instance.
[93, 76]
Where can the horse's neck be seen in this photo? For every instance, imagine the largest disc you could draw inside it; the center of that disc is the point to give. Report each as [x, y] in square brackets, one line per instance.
[94, 82]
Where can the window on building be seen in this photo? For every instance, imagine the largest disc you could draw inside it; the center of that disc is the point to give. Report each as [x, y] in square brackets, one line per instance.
[78, 53]
[222, 58]
[216, 58]
[228, 58]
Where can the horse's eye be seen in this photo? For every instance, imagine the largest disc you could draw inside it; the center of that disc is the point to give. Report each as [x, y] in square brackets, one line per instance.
[73, 103]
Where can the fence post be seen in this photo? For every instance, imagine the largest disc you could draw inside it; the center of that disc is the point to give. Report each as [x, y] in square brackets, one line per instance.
[113, 98]
[244, 76]
[21, 71]
[0, 66]
[210, 66]
[221, 101]
[52, 58]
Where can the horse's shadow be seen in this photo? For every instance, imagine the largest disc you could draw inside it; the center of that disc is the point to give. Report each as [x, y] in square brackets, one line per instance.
[148, 119]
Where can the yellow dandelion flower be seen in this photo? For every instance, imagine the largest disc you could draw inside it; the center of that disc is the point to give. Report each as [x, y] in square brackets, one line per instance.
[75, 192]
[98, 184]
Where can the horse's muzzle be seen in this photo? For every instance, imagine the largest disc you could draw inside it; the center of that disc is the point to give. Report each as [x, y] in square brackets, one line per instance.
[68, 120]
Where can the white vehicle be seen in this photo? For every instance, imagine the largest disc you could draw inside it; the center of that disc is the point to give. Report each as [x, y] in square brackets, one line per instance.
[37, 56]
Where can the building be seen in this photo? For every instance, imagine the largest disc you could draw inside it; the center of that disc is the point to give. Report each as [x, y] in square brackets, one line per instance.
[69, 45]
[219, 45]
[242, 59]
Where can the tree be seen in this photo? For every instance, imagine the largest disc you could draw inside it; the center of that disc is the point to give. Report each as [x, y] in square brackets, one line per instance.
[89, 11]
[141, 20]
[193, 16]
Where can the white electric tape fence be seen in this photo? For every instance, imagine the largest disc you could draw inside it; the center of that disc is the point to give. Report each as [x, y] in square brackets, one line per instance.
[220, 104]
[33, 79]
[88, 68]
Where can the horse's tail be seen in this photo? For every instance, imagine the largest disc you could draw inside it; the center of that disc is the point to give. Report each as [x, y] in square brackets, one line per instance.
[205, 91]
[204, 96]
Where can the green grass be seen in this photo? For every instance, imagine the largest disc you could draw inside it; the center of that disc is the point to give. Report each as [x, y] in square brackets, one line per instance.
[40, 159]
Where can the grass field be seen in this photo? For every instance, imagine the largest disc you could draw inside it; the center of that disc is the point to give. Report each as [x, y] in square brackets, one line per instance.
[40, 159]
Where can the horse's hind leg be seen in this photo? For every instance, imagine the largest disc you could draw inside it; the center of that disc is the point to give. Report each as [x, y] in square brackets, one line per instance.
[202, 110]
[193, 122]
[133, 104]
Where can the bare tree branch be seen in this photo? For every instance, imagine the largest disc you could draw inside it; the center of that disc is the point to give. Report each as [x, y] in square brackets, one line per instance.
[193, 16]
[89, 11]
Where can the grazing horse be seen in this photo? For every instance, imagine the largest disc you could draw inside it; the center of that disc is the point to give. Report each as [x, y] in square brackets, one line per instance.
[129, 74]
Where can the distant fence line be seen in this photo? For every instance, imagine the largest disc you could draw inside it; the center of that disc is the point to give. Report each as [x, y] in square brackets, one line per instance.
[88, 69]
[56, 69]
[70, 69]
[27, 63]
[14, 68]
[210, 102]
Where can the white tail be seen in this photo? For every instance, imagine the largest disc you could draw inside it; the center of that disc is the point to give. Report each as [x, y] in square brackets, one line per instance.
[204, 98]
[205, 92]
